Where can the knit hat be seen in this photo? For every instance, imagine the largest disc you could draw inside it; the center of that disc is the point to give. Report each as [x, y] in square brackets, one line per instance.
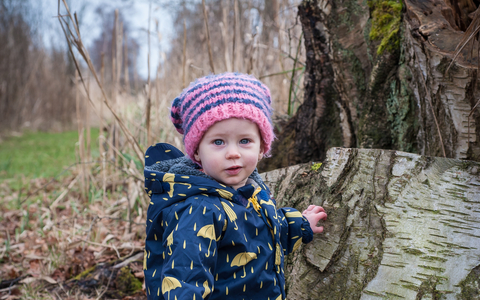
[219, 97]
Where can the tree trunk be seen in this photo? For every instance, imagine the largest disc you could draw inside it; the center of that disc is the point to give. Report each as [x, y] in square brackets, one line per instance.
[375, 79]
[400, 226]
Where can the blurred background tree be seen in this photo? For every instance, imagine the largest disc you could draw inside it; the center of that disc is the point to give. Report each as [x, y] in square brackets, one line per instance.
[35, 82]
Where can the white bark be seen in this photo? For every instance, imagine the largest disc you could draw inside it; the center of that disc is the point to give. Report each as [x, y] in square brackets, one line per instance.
[427, 57]
[400, 226]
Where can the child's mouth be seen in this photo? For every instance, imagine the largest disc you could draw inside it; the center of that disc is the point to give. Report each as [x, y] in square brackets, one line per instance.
[233, 170]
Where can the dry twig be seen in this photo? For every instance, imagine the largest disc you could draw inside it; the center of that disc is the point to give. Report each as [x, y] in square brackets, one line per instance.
[210, 55]
[74, 39]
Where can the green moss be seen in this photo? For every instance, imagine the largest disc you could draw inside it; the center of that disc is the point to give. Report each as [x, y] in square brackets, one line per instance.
[84, 273]
[126, 282]
[386, 19]
[428, 288]
[470, 285]
[316, 166]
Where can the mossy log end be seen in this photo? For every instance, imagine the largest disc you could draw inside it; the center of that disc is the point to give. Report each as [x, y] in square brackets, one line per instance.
[399, 225]
[114, 280]
[375, 78]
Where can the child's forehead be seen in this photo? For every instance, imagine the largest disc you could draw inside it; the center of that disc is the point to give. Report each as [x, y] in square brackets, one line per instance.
[234, 126]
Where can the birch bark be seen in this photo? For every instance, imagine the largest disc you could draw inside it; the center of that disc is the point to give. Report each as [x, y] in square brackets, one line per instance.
[400, 226]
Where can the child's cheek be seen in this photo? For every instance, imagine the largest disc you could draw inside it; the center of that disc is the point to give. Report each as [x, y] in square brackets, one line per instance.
[252, 161]
[214, 166]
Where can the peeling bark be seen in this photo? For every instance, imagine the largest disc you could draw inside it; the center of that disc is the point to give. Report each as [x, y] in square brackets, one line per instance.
[430, 39]
[358, 97]
[399, 225]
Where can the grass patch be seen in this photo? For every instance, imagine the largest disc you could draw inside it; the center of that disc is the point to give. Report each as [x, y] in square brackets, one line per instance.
[40, 154]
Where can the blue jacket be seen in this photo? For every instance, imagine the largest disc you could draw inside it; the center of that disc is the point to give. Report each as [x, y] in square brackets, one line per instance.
[209, 241]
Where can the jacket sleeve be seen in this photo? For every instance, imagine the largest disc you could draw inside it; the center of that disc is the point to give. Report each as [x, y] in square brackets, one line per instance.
[295, 229]
[186, 267]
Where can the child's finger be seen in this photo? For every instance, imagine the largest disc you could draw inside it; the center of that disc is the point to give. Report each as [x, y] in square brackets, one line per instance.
[309, 208]
[321, 216]
[313, 208]
[317, 209]
[317, 229]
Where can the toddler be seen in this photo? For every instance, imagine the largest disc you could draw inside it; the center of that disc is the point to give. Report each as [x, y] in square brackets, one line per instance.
[213, 231]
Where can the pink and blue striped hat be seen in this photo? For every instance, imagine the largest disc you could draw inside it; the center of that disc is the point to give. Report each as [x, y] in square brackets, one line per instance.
[219, 97]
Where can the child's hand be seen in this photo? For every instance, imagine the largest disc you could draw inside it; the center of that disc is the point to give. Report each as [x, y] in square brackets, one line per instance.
[314, 214]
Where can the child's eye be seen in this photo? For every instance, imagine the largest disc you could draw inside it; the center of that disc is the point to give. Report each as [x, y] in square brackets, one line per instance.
[244, 141]
[218, 142]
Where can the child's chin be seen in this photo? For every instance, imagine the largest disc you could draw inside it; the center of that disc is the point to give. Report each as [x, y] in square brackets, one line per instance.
[232, 182]
[236, 184]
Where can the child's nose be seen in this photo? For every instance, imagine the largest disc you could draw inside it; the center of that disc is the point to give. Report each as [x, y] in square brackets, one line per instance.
[232, 152]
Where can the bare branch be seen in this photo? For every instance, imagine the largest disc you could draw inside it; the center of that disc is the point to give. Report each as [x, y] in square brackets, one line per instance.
[210, 55]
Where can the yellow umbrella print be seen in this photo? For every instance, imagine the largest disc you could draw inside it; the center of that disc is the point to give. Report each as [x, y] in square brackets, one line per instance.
[207, 231]
[224, 194]
[269, 202]
[170, 178]
[297, 245]
[170, 242]
[242, 259]
[207, 289]
[144, 259]
[293, 214]
[170, 283]
[230, 213]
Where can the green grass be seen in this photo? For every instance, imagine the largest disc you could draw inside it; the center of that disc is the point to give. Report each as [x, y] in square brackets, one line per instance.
[40, 154]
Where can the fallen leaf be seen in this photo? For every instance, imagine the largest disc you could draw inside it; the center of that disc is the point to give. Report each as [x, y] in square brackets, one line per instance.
[28, 280]
[34, 267]
[10, 272]
[35, 257]
[47, 279]
[59, 275]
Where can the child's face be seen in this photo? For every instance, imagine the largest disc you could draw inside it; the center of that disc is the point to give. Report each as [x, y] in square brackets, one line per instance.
[230, 150]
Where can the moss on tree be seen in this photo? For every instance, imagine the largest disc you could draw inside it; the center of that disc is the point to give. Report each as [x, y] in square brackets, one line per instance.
[471, 285]
[401, 112]
[386, 20]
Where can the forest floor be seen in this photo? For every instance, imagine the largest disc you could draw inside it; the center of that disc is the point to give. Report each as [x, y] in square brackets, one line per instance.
[66, 236]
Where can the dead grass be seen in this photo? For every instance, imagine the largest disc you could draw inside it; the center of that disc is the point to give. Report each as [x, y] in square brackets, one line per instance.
[51, 237]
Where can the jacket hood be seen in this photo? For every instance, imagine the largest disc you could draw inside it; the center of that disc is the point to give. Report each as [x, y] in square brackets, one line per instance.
[168, 172]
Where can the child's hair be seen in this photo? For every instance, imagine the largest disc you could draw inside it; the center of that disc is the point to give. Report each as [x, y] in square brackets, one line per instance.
[219, 97]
